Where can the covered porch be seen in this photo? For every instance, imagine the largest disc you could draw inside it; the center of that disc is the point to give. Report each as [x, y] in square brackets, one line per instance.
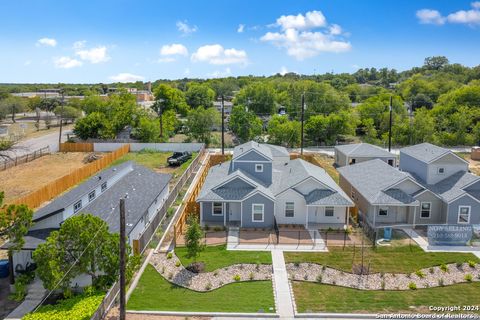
[326, 217]
[225, 214]
[392, 215]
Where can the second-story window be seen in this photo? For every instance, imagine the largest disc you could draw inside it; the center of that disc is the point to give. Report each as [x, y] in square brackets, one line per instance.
[441, 170]
[104, 186]
[77, 206]
[91, 196]
[258, 167]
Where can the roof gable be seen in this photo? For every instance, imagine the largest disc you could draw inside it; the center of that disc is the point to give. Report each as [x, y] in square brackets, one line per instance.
[364, 150]
[252, 155]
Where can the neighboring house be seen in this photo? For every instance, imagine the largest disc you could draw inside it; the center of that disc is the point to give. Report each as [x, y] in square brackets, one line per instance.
[261, 186]
[144, 189]
[359, 152]
[433, 186]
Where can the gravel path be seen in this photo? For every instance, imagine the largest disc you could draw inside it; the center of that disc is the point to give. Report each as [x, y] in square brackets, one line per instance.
[426, 278]
[175, 272]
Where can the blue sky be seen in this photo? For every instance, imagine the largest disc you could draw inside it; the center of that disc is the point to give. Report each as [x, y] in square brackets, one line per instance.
[104, 41]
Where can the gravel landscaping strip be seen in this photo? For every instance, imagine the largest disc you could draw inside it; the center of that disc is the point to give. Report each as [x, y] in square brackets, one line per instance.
[424, 278]
[173, 271]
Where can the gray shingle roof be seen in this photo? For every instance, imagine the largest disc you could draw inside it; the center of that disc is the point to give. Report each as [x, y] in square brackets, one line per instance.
[326, 198]
[364, 150]
[68, 198]
[425, 152]
[32, 239]
[394, 197]
[242, 149]
[452, 187]
[371, 177]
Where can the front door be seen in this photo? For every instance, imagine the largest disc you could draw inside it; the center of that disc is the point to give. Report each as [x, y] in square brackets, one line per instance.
[401, 216]
[234, 211]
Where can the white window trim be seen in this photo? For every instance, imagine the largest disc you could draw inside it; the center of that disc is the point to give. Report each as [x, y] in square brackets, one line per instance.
[381, 215]
[79, 208]
[258, 165]
[438, 170]
[253, 212]
[102, 189]
[293, 216]
[90, 199]
[429, 211]
[213, 209]
[325, 211]
[469, 214]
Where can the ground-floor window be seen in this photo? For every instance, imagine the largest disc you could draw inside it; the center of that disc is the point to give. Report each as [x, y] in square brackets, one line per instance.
[217, 209]
[257, 212]
[329, 211]
[464, 214]
[289, 209]
[77, 206]
[383, 212]
[425, 210]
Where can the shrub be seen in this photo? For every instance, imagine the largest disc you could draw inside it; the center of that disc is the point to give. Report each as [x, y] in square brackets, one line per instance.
[206, 227]
[251, 276]
[383, 285]
[208, 286]
[170, 212]
[218, 228]
[324, 267]
[420, 274]
[170, 276]
[78, 307]
[169, 255]
[236, 277]
[305, 277]
[412, 286]
[319, 278]
[468, 277]
[178, 264]
[215, 273]
[444, 267]
[471, 263]
[21, 283]
[257, 266]
[296, 264]
[431, 270]
[459, 265]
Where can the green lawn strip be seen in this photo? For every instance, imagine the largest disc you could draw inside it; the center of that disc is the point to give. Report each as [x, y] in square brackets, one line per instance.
[315, 297]
[149, 159]
[402, 259]
[216, 257]
[153, 292]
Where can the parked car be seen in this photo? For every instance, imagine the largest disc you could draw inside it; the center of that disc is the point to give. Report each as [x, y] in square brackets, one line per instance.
[178, 158]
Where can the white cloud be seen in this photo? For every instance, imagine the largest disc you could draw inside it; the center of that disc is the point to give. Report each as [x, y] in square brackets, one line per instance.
[173, 49]
[186, 29]
[241, 28]
[126, 77]
[66, 63]
[312, 19]
[79, 44]
[94, 55]
[335, 30]
[166, 60]
[216, 54]
[429, 16]
[470, 17]
[46, 42]
[220, 73]
[283, 70]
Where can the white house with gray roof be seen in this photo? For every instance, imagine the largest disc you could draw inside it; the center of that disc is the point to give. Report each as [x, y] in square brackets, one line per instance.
[261, 186]
[144, 189]
[348, 154]
[432, 186]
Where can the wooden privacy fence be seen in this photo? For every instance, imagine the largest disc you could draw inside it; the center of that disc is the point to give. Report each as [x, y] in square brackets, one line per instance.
[141, 243]
[76, 147]
[8, 163]
[191, 206]
[58, 186]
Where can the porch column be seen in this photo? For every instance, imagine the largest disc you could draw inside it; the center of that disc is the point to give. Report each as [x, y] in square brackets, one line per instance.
[224, 214]
[347, 215]
[11, 276]
[374, 215]
[414, 216]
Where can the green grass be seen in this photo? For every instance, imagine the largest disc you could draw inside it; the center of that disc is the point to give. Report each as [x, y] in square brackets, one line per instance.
[401, 259]
[149, 159]
[216, 257]
[315, 297]
[153, 292]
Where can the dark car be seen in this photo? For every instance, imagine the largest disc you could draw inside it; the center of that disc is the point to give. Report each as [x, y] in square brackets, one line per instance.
[178, 158]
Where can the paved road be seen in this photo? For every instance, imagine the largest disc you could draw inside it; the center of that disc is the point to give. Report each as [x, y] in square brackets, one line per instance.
[33, 144]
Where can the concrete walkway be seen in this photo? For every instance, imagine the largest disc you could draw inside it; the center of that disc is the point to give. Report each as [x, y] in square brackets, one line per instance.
[422, 243]
[282, 287]
[36, 292]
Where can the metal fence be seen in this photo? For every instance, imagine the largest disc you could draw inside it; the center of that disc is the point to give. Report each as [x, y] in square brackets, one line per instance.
[9, 163]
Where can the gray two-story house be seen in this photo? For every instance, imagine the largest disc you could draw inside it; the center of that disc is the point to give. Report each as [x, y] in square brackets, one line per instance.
[261, 186]
[432, 186]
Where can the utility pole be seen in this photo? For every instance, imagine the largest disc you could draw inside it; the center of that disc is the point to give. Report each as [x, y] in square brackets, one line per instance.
[223, 125]
[61, 119]
[390, 126]
[160, 101]
[122, 259]
[303, 118]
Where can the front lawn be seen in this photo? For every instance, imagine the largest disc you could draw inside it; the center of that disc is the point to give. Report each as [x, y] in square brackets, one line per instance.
[153, 292]
[401, 259]
[315, 297]
[216, 257]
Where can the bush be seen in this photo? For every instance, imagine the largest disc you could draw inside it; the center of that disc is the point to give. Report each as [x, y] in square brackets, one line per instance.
[208, 286]
[296, 264]
[431, 270]
[383, 285]
[420, 274]
[441, 282]
[79, 307]
[412, 286]
[178, 264]
[305, 277]
[468, 277]
[319, 278]
[236, 277]
[459, 265]
[169, 255]
[196, 267]
[21, 283]
[471, 263]
[251, 276]
[444, 267]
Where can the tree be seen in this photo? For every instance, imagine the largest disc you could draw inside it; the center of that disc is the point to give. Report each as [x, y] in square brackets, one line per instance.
[82, 245]
[435, 63]
[422, 100]
[193, 238]
[169, 98]
[15, 221]
[199, 95]
[147, 130]
[67, 112]
[283, 131]
[12, 106]
[328, 128]
[91, 126]
[259, 97]
[245, 124]
[200, 122]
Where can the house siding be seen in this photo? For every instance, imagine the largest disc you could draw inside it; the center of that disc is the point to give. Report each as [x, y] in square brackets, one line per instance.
[316, 214]
[340, 158]
[436, 211]
[410, 164]
[207, 216]
[450, 163]
[249, 167]
[452, 215]
[268, 217]
[300, 209]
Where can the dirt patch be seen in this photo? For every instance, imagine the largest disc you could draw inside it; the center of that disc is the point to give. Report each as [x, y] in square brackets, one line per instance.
[21, 180]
